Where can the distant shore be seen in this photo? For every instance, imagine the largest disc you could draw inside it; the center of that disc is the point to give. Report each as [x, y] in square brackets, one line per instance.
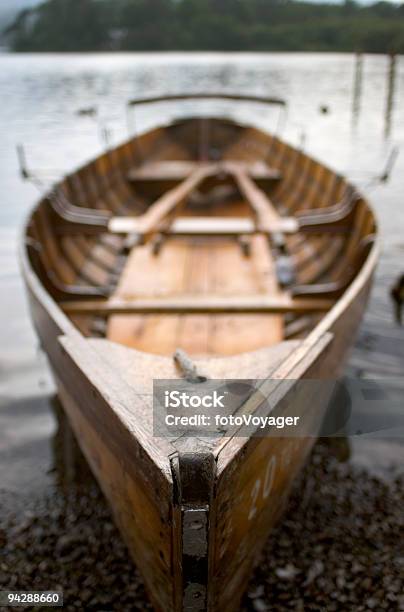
[207, 25]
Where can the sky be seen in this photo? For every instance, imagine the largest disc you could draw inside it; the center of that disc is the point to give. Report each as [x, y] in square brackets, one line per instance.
[17, 4]
[13, 6]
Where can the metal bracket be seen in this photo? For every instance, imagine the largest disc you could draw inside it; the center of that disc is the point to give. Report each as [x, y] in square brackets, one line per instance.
[194, 475]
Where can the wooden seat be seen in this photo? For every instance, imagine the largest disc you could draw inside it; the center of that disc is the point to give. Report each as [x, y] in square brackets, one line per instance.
[211, 226]
[204, 226]
[200, 305]
[179, 170]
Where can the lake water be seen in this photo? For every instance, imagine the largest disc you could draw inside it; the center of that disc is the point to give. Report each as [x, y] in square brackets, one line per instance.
[39, 99]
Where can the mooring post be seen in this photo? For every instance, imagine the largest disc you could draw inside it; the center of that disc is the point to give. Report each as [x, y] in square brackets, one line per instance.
[391, 86]
[22, 161]
[357, 90]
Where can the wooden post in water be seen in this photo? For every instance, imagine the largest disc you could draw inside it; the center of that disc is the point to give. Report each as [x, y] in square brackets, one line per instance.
[357, 90]
[391, 86]
[22, 161]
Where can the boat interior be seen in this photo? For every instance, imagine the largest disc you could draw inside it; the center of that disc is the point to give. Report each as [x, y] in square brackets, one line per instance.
[204, 235]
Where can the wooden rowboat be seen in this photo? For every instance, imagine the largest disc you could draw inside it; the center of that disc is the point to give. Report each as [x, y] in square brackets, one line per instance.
[218, 239]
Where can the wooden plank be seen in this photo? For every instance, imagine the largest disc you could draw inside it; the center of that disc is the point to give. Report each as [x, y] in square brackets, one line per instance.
[199, 304]
[197, 267]
[179, 170]
[219, 226]
[227, 226]
[255, 276]
[194, 332]
[163, 170]
[200, 226]
[145, 275]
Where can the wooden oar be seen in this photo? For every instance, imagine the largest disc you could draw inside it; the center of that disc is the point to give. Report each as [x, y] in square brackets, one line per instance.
[173, 200]
[267, 217]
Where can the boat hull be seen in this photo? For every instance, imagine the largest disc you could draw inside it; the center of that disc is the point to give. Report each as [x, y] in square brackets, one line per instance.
[195, 520]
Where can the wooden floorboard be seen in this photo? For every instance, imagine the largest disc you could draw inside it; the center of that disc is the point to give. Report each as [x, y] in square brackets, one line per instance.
[213, 273]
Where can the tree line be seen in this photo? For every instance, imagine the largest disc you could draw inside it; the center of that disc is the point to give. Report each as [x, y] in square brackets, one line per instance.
[208, 25]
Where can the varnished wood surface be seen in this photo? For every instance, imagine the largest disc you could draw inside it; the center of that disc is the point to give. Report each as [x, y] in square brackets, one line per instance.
[106, 383]
[193, 304]
[201, 269]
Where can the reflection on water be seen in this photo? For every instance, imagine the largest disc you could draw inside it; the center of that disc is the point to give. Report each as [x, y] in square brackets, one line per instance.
[392, 65]
[38, 451]
[41, 95]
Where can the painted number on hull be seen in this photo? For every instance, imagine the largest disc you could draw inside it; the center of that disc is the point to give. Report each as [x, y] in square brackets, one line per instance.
[264, 490]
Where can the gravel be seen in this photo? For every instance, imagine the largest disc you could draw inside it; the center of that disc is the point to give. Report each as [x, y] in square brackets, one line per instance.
[339, 547]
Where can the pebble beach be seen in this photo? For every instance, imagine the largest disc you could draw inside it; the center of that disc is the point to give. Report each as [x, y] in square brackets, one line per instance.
[349, 558]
